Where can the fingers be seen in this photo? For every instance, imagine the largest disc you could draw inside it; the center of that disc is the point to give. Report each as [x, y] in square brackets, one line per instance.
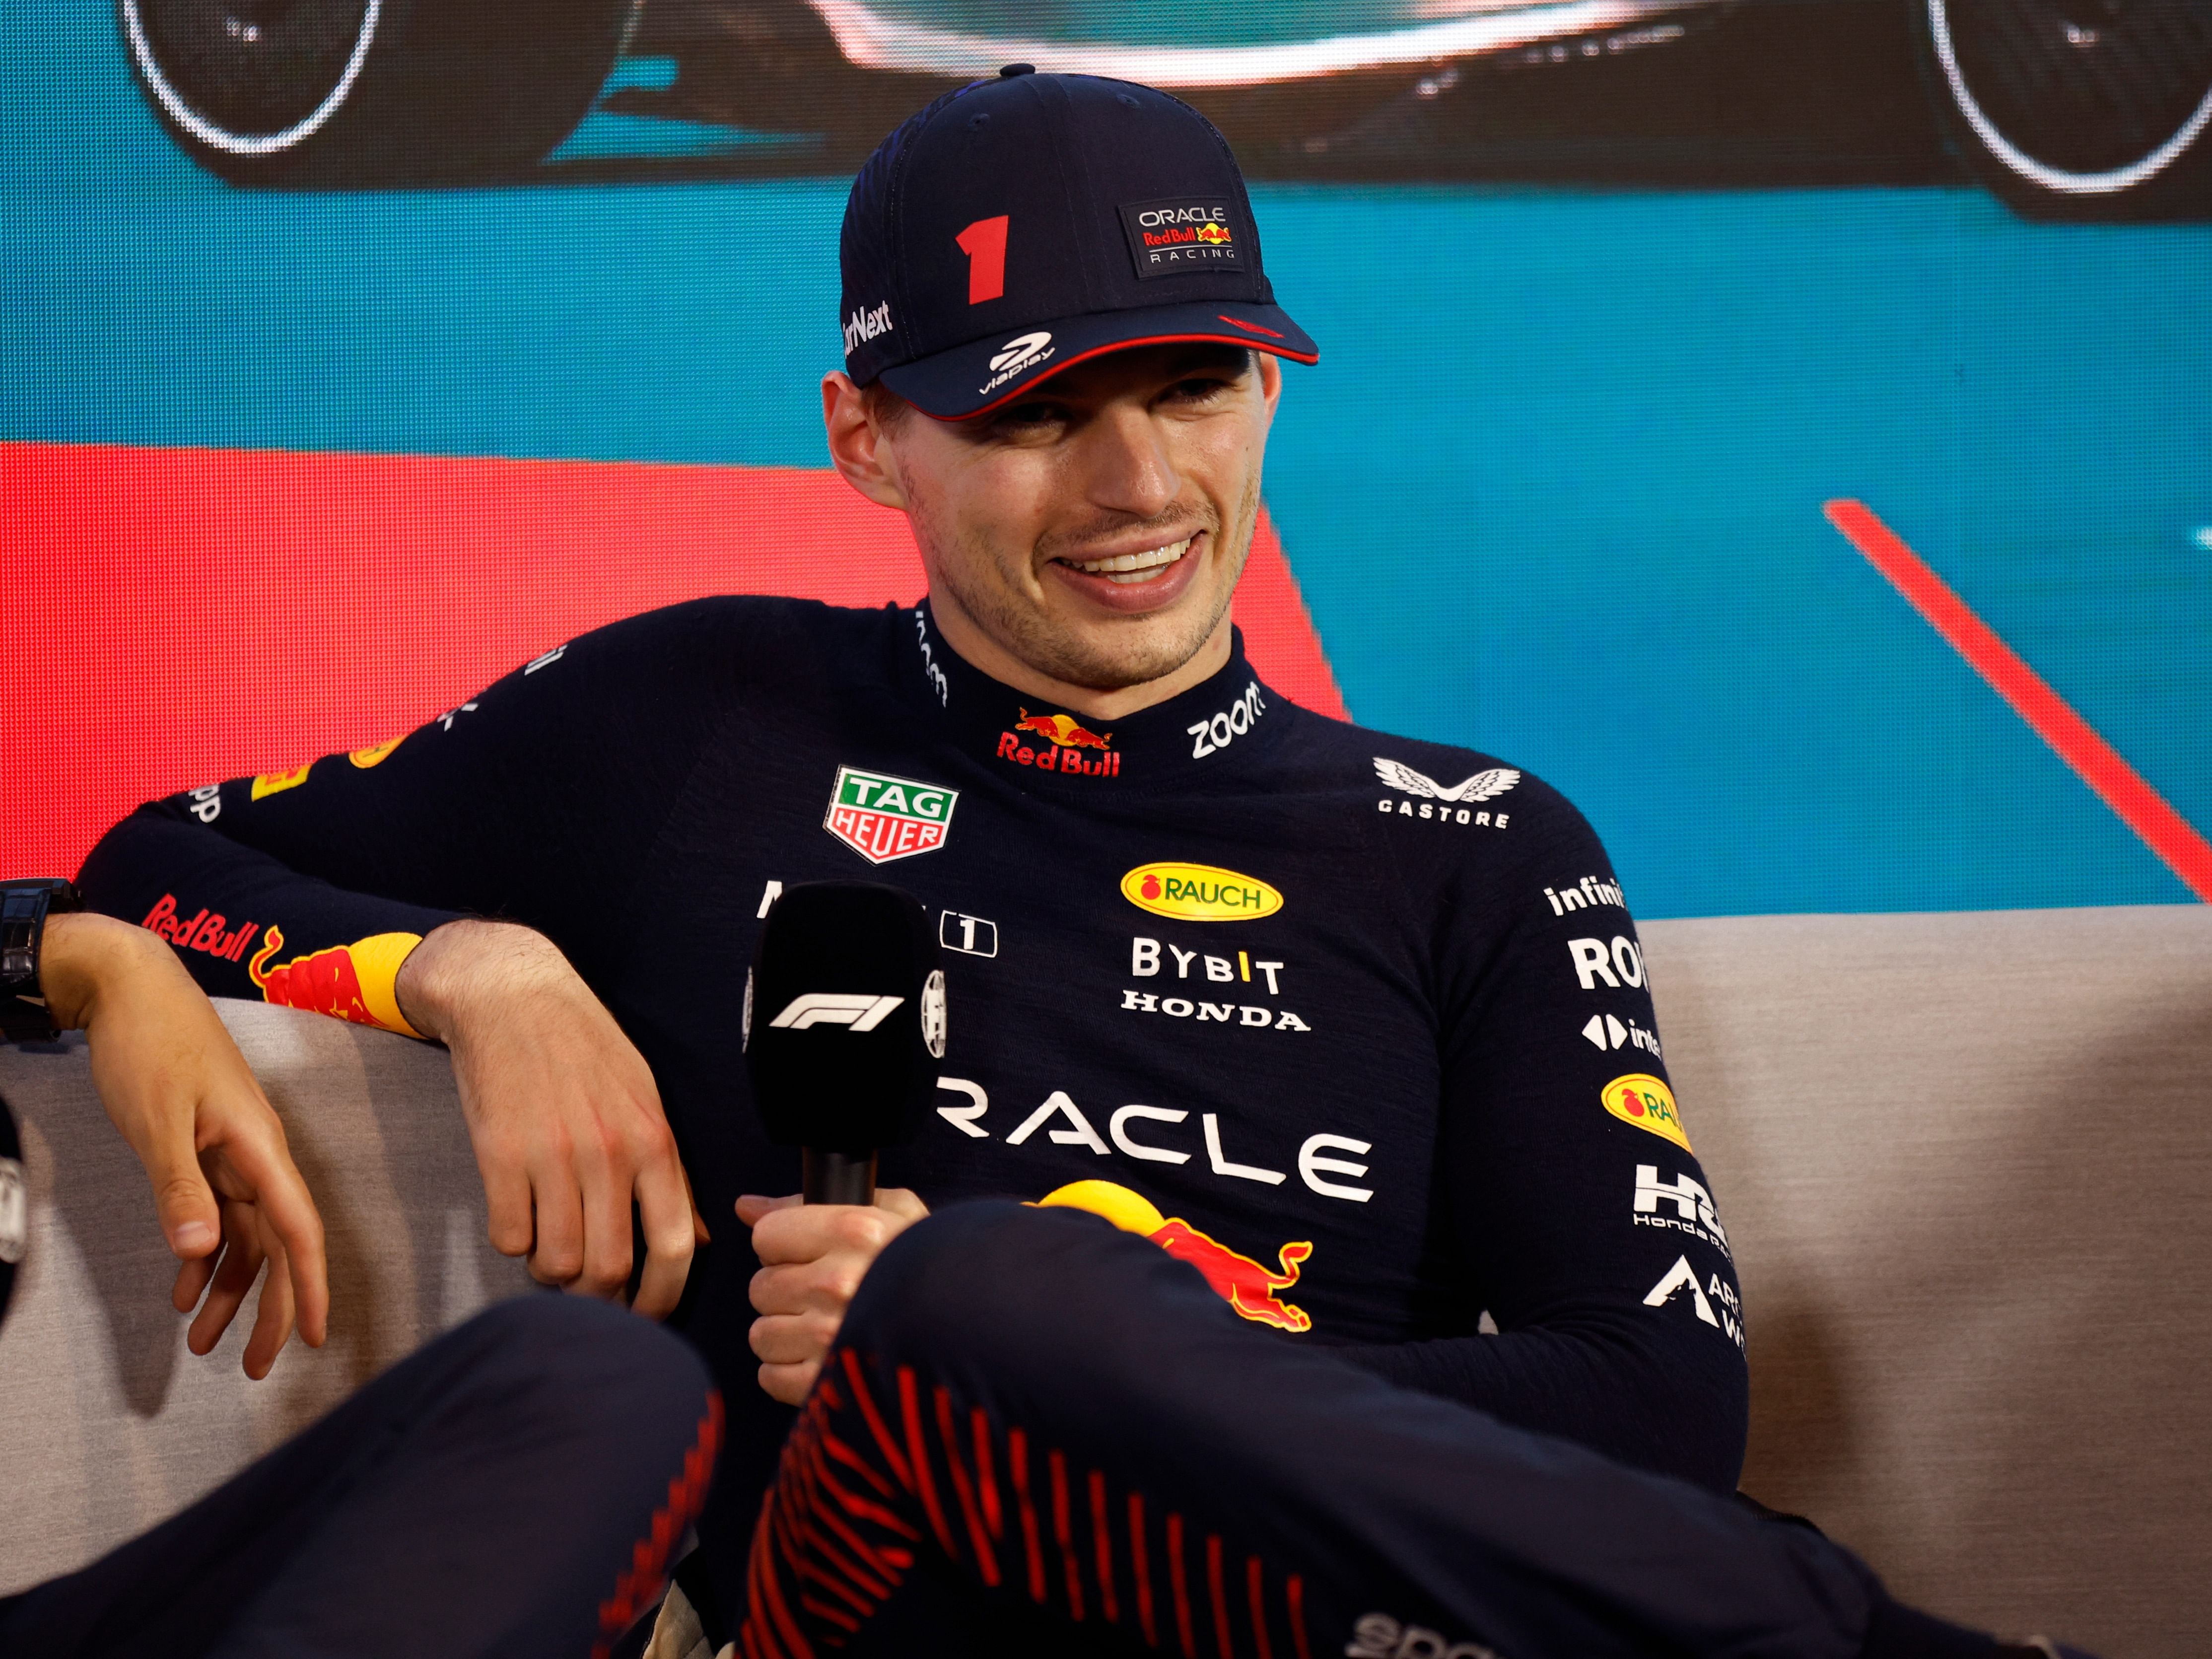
[903, 1202]
[192, 1282]
[790, 1384]
[293, 1228]
[791, 1350]
[182, 1198]
[556, 1255]
[788, 1233]
[234, 1277]
[273, 1317]
[608, 1246]
[672, 1226]
[752, 1207]
[511, 1217]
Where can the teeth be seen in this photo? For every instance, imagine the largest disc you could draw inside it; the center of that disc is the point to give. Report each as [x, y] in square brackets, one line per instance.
[1125, 568]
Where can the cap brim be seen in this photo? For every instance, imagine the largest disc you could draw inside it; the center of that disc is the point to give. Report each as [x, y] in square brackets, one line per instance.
[978, 377]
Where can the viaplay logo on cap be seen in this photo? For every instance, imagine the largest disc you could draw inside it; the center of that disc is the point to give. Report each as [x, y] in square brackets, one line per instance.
[1016, 356]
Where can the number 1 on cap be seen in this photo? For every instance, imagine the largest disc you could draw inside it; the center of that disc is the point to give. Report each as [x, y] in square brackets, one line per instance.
[984, 242]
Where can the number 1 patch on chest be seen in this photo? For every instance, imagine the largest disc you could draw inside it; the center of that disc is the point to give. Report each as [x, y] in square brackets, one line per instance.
[883, 817]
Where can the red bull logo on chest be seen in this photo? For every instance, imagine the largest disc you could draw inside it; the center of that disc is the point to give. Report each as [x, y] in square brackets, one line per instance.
[1065, 738]
[882, 817]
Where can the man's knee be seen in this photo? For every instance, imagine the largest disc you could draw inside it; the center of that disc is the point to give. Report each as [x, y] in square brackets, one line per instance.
[1000, 1284]
[586, 1355]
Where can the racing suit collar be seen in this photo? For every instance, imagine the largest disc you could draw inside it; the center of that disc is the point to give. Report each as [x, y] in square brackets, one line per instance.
[1228, 715]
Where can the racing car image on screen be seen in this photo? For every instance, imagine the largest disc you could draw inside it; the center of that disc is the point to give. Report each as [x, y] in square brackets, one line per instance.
[2080, 109]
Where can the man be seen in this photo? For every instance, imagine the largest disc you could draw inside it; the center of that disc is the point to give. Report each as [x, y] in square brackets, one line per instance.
[1356, 1025]
[512, 1490]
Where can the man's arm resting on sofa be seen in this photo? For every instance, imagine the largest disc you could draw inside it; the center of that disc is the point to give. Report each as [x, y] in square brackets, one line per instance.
[229, 1198]
[562, 1111]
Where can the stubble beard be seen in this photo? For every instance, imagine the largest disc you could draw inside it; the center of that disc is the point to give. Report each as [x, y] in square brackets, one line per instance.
[1138, 649]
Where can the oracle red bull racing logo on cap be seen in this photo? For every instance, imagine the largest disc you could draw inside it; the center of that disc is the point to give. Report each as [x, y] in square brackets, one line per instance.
[882, 817]
[1174, 238]
[1251, 1287]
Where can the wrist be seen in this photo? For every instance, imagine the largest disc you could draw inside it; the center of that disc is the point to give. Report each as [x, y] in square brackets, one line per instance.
[448, 976]
[83, 957]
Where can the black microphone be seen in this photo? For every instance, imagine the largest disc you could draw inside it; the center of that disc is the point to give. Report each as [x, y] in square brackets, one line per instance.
[844, 1025]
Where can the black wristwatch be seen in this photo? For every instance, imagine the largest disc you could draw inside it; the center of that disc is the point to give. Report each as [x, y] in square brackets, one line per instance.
[24, 908]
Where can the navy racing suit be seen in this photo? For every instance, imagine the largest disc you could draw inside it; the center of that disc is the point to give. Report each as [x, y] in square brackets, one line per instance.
[1356, 1025]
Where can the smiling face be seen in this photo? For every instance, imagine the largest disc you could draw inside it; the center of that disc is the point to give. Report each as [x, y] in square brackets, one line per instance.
[1083, 542]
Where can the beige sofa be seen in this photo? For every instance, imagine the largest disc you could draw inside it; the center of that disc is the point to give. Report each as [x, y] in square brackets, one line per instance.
[1965, 1160]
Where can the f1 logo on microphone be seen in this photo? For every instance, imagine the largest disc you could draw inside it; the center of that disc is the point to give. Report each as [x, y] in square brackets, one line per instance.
[862, 1013]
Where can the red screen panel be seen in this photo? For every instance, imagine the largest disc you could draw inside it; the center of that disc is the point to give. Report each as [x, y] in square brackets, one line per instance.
[188, 615]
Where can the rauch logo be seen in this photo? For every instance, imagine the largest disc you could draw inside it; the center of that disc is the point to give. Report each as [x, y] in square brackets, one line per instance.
[1199, 892]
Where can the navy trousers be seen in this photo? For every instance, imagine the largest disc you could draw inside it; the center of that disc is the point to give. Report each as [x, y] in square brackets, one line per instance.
[1052, 1436]
[512, 1490]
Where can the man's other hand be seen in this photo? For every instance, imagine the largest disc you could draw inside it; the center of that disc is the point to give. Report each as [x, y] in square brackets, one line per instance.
[813, 1257]
[229, 1197]
[561, 1109]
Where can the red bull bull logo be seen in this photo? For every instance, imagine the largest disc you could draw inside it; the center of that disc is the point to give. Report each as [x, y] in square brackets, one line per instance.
[1065, 735]
[347, 982]
[1251, 1287]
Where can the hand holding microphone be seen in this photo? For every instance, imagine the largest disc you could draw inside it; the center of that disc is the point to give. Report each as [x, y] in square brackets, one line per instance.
[844, 1026]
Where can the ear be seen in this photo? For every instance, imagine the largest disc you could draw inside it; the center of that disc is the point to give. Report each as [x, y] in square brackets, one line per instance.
[1271, 381]
[858, 447]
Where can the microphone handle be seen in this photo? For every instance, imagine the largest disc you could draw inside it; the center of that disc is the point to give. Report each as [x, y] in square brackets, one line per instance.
[836, 1177]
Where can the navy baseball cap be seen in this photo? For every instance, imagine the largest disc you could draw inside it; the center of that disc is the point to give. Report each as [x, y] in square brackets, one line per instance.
[1021, 225]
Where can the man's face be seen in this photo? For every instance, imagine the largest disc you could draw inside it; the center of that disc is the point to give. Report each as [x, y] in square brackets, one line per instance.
[1095, 530]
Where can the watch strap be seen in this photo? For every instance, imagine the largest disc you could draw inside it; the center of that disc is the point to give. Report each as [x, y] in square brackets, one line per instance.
[24, 908]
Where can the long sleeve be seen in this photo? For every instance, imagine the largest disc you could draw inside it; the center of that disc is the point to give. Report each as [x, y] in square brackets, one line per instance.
[534, 800]
[1580, 1218]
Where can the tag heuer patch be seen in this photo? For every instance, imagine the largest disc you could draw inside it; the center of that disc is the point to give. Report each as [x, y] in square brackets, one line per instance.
[883, 817]
[1186, 234]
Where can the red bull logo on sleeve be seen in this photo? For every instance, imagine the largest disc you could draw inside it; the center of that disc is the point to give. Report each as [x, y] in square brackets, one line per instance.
[1064, 736]
[352, 982]
[201, 931]
[1251, 1287]
[883, 817]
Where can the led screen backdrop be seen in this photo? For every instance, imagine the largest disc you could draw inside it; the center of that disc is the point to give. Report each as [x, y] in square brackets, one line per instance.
[1787, 428]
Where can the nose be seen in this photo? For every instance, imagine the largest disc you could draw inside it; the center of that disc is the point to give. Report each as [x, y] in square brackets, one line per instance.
[1126, 462]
